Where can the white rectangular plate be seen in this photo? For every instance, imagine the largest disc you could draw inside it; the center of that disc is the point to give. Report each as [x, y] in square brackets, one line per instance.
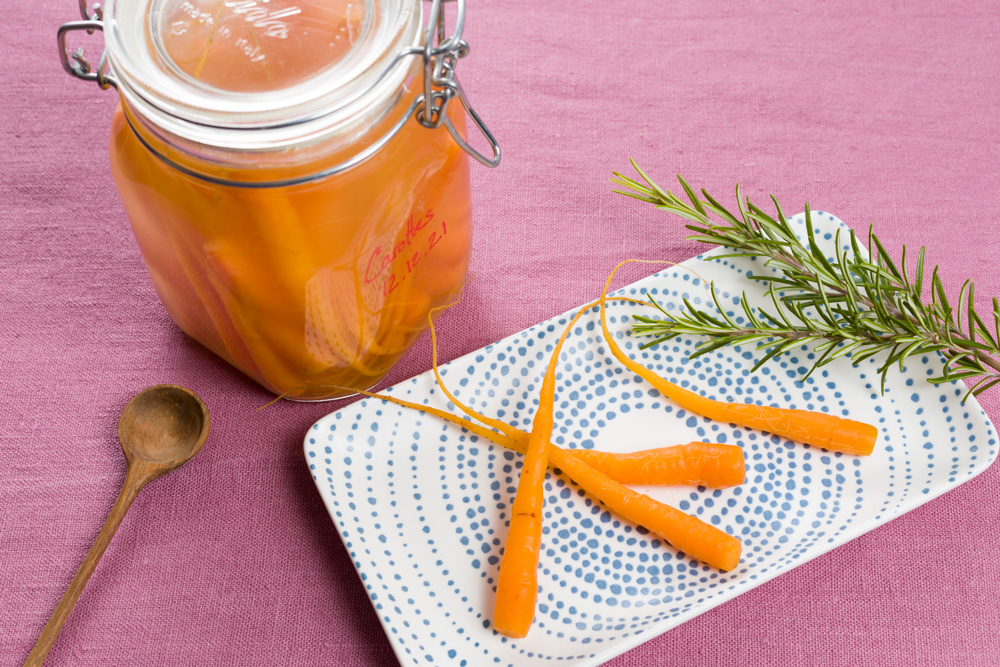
[422, 505]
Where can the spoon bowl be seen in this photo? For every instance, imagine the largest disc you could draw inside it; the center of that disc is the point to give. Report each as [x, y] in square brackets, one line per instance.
[163, 425]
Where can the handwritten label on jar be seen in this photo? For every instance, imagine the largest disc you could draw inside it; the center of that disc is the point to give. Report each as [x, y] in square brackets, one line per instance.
[410, 248]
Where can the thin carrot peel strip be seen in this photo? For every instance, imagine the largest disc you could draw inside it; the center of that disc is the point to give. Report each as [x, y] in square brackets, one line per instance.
[499, 425]
[813, 428]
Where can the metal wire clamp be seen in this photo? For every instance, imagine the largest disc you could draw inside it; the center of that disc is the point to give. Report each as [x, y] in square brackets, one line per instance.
[76, 64]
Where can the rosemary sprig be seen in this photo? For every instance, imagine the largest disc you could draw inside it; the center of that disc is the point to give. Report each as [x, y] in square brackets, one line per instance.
[856, 304]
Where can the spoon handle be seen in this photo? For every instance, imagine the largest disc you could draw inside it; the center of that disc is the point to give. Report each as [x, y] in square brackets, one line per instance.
[137, 476]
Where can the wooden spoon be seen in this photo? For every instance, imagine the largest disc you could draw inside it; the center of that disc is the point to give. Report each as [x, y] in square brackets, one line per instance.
[160, 430]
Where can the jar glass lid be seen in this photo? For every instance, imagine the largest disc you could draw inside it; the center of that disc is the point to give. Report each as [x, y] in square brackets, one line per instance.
[254, 63]
[256, 46]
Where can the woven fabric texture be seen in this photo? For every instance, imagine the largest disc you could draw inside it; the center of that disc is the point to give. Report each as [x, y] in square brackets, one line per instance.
[883, 113]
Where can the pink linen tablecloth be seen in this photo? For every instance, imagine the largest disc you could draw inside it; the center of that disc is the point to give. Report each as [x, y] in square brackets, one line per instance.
[882, 112]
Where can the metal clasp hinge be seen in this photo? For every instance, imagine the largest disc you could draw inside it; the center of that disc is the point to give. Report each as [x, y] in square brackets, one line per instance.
[75, 63]
[441, 55]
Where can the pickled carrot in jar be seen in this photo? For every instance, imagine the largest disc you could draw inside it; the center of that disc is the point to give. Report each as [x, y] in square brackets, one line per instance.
[311, 286]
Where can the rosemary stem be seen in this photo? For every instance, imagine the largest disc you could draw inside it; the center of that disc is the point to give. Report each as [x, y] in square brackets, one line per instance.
[860, 299]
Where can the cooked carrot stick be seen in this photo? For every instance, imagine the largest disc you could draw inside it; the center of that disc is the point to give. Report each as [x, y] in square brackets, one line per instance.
[686, 533]
[517, 583]
[813, 428]
[694, 464]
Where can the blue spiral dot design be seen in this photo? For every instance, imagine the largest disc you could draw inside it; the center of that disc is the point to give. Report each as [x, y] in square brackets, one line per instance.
[423, 505]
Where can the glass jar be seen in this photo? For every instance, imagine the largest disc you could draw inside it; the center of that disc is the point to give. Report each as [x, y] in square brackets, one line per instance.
[294, 174]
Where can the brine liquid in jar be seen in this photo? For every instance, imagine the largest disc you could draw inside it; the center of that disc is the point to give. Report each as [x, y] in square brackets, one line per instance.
[310, 276]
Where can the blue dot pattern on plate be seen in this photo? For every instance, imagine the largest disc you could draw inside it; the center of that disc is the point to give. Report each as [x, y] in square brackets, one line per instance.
[422, 505]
